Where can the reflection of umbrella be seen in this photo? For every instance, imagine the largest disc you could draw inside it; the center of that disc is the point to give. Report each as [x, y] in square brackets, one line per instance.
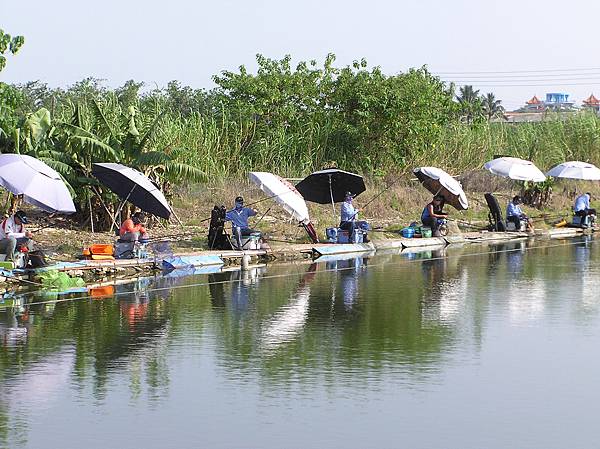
[437, 181]
[133, 186]
[515, 168]
[39, 184]
[575, 170]
[289, 320]
[329, 186]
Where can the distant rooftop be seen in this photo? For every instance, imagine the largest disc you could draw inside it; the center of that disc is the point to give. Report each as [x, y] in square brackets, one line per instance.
[591, 101]
[534, 100]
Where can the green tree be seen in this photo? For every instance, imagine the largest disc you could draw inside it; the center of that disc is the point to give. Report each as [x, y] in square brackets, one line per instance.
[11, 103]
[9, 44]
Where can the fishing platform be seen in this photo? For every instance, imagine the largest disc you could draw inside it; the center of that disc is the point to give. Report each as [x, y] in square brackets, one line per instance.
[215, 259]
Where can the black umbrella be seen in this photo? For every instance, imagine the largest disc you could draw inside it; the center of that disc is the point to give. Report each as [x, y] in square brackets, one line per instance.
[133, 186]
[330, 185]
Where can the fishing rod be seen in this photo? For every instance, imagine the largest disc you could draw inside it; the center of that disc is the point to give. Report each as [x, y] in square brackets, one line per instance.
[204, 220]
[380, 193]
[43, 227]
[263, 216]
[375, 197]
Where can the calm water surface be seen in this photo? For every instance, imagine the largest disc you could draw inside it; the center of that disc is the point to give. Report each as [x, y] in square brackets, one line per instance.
[470, 347]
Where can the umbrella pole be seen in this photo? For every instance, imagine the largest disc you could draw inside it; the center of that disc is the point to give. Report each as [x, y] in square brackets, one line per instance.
[331, 195]
[105, 208]
[177, 218]
[8, 197]
[263, 216]
[123, 204]
[91, 213]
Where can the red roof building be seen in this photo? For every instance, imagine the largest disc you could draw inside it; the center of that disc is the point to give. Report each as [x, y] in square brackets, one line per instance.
[535, 104]
[591, 101]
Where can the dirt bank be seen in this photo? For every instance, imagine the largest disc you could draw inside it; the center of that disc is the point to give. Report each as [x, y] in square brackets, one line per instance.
[398, 206]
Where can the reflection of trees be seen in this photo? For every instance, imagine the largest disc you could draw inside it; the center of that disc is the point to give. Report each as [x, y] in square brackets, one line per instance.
[360, 319]
[98, 334]
[357, 317]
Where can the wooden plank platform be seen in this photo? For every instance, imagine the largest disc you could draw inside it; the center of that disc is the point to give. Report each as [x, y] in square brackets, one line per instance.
[422, 242]
[496, 236]
[342, 248]
[410, 243]
[389, 244]
[557, 233]
[422, 249]
[196, 259]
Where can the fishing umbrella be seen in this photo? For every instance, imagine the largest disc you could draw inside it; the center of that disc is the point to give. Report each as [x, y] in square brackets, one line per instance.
[575, 170]
[515, 168]
[283, 192]
[438, 182]
[286, 195]
[133, 186]
[330, 185]
[39, 184]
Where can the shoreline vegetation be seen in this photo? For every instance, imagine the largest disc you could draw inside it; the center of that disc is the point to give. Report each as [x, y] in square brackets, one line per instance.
[199, 144]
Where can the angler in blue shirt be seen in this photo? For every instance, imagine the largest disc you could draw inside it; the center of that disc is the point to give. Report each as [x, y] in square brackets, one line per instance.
[582, 206]
[349, 218]
[515, 215]
[239, 220]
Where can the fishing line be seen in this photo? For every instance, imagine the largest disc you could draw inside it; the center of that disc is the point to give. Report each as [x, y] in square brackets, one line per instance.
[301, 273]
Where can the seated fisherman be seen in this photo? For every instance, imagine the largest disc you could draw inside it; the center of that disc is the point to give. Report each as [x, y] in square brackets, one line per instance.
[133, 228]
[13, 232]
[515, 215]
[349, 218]
[582, 206]
[239, 220]
[433, 214]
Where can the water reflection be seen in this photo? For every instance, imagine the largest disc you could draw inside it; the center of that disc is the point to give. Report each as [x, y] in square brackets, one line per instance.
[354, 325]
[287, 322]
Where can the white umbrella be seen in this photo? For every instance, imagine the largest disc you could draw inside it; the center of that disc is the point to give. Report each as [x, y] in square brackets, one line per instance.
[437, 181]
[287, 196]
[515, 168]
[40, 185]
[575, 170]
[283, 192]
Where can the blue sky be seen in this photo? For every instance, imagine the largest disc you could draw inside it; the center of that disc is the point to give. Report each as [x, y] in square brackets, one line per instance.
[190, 41]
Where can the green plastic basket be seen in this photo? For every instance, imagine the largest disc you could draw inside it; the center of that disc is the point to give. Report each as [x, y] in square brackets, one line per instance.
[425, 232]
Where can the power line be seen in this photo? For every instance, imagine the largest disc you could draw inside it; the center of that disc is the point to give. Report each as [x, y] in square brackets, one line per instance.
[499, 84]
[515, 71]
[556, 76]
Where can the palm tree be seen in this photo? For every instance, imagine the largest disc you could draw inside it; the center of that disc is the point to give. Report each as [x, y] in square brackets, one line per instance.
[491, 107]
[470, 103]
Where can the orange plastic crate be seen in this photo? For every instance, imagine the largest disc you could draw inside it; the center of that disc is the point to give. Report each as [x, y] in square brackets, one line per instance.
[99, 249]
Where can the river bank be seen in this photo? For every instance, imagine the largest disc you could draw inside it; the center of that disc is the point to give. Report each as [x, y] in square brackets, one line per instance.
[396, 207]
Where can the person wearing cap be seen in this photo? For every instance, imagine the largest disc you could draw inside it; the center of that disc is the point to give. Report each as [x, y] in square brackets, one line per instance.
[582, 206]
[13, 232]
[515, 215]
[239, 216]
[133, 229]
[433, 213]
[349, 217]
